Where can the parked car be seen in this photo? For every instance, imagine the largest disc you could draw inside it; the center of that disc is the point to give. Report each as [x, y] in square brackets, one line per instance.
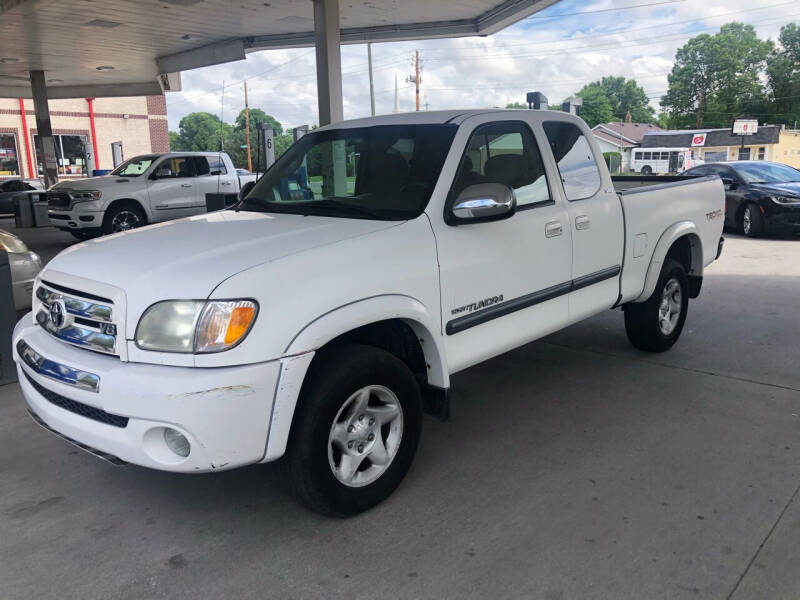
[145, 189]
[25, 266]
[319, 323]
[11, 187]
[761, 197]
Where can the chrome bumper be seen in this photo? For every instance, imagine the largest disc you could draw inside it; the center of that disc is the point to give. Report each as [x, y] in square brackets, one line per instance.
[52, 370]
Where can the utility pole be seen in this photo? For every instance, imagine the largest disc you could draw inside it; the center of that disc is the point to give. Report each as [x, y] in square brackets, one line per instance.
[416, 75]
[371, 86]
[247, 128]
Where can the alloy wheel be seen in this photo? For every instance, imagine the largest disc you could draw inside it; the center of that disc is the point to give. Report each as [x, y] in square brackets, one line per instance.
[125, 220]
[669, 311]
[365, 436]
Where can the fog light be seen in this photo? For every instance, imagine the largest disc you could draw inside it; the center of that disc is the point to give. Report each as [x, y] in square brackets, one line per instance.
[177, 442]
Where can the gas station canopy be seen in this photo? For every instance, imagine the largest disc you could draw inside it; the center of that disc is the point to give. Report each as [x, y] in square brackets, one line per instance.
[136, 47]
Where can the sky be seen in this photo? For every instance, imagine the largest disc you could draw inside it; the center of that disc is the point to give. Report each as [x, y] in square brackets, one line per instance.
[556, 51]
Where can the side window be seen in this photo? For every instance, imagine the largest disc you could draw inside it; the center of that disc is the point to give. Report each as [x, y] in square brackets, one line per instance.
[504, 153]
[181, 166]
[201, 165]
[576, 163]
[215, 164]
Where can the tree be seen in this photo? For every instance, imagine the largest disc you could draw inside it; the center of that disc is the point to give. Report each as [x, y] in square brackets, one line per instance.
[624, 96]
[783, 76]
[238, 146]
[717, 77]
[516, 105]
[202, 132]
[596, 106]
[175, 141]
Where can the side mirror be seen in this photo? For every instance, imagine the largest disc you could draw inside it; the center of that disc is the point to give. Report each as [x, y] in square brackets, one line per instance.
[483, 202]
[246, 188]
[729, 183]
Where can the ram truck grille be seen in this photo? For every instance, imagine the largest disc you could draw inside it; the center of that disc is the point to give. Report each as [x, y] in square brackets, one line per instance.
[78, 318]
[58, 200]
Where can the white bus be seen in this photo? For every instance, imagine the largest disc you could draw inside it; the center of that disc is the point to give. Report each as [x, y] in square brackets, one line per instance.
[657, 161]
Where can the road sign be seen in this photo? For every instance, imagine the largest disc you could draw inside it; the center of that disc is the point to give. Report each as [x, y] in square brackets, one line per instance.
[699, 139]
[744, 127]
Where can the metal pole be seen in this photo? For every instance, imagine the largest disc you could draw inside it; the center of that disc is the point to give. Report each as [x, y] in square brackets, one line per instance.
[247, 131]
[8, 316]
[44, 130]
[371, 85]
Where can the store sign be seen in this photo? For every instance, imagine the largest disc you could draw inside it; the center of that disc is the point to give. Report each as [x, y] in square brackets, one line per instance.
[744, 127]
[699, 139]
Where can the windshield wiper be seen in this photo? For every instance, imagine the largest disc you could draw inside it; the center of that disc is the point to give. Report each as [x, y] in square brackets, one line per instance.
[337, 204]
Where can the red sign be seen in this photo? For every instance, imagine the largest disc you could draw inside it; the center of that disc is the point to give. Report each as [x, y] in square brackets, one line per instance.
[699, 139]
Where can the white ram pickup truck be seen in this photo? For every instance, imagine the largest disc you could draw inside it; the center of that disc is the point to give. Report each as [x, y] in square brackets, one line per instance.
[323, 314]
[144, 189]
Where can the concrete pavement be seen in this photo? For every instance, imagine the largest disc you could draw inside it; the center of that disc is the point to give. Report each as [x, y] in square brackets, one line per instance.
[575, 467]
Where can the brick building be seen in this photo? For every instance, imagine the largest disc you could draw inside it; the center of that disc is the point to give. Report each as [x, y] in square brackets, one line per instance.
[91, 133]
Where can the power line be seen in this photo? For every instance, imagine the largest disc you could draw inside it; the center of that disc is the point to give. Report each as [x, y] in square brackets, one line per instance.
[601, 10]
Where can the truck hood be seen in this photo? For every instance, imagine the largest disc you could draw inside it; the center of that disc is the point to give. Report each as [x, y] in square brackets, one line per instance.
[189, 257]
[93, 183]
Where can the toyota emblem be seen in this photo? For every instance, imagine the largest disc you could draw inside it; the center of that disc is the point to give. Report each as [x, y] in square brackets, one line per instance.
[58, 314]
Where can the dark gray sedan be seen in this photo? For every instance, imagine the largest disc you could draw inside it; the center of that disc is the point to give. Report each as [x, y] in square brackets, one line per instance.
[11, 187]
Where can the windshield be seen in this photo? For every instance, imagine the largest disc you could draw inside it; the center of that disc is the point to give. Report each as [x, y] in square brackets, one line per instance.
[383, 172]
[134, 167]
[767, 173]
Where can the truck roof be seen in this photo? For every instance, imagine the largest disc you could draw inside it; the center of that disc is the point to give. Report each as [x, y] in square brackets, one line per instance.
[433, 117]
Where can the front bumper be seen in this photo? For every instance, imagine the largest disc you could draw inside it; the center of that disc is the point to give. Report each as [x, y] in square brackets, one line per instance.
[73, 219]
[784, 217]
[224, 412]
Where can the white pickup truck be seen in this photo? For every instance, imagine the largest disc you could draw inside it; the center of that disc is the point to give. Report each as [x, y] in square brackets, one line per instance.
[144, 189]
[326, 312]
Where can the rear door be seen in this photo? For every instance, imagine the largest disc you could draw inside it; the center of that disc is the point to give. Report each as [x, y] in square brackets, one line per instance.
[174, 193]
[213, 177]
[594, 217]
[503, 282]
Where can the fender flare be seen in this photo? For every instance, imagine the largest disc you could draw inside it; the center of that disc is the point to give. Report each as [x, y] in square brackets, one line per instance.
[673, 233]
[300, 351]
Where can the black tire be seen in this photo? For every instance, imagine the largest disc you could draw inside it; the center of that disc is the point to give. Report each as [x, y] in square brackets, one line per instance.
[128, 212]
[334, 377]
[646, 170]
[643, 320]
[752, 221]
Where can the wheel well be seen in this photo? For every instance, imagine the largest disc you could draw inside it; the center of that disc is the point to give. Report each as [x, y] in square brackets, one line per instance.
[395, 337]
[125, 202]
[687, 250]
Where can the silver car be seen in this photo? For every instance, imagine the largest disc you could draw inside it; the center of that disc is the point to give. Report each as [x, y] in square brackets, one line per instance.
[25, 266]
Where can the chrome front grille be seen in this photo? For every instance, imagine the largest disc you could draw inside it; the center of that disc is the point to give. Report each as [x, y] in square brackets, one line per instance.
[78, 318]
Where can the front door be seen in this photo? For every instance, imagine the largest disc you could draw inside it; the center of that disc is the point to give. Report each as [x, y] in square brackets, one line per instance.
[503, 282]
[595, 218]
[212, 178]
[173, 192]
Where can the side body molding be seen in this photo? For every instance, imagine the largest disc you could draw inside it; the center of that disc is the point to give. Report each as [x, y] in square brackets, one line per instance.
[673, 232]
[300, 351]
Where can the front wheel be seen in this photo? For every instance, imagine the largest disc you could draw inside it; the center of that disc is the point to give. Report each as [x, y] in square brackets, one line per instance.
[123, 217]
[356, 430]
[656, 324]
[752, 221]
[647, 170]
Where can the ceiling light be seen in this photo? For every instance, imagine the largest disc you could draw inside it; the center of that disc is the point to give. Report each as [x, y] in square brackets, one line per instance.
[186, 37]
[103, 23]
[105, 68]
[55, 81]
[8, 60]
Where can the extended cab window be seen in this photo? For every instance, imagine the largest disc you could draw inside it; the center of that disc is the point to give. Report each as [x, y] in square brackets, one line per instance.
[379, 172]
[216, 165]
[504, 153]
[573, 155]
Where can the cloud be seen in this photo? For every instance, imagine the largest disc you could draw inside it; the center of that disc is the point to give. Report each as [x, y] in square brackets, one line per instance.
[554, 54]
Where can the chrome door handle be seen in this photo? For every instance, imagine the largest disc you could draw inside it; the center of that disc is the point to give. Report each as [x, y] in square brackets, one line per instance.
[226, 183]
[581, 222]
[186, 185]
[552, 229]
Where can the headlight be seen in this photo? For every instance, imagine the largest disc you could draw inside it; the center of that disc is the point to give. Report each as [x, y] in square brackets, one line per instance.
[785, 200]
[84, 195]
[11, 243]
[195, 326]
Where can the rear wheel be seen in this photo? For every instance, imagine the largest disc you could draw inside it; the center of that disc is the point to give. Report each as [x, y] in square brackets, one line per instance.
[752, 221]
[646, 170]
[356, 430]
[656, 324]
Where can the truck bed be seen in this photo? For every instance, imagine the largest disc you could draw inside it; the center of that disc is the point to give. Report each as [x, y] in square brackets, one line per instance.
[653, 207]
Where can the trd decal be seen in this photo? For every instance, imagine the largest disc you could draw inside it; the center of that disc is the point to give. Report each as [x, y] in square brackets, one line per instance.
[468, 308]
[714, 215]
